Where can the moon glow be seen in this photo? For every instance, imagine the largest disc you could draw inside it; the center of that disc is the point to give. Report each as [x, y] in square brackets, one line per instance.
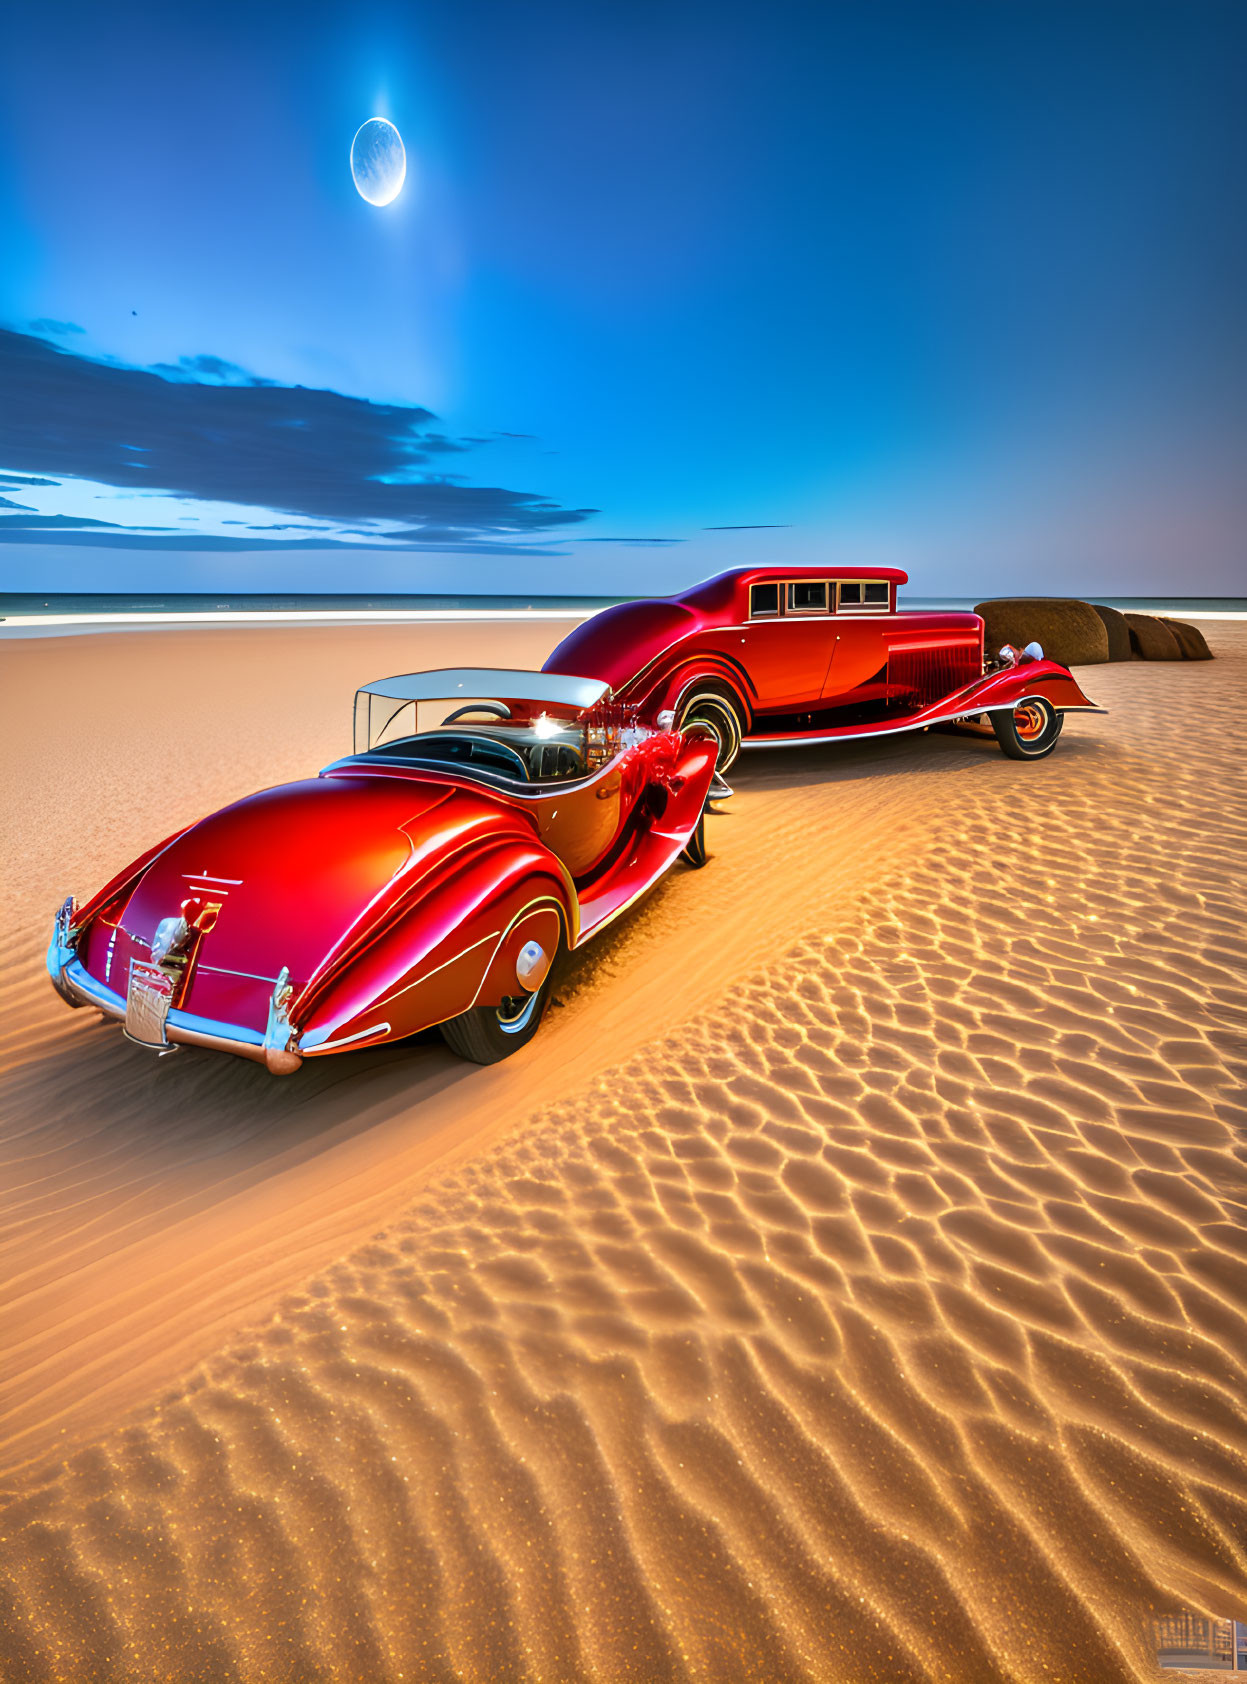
[378, 161]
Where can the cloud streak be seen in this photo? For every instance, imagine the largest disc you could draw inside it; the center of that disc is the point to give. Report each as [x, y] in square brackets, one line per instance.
[293, 450]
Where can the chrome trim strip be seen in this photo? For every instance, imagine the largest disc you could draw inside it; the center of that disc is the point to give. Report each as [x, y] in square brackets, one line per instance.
[76, 976]
[178, 1026]
[221, 1031]
[444, 684]
[454, 958]
[848, 735]
[359, 1035]
[224, 970]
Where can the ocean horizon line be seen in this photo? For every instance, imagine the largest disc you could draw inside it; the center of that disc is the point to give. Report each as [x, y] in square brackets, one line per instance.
[31, 614]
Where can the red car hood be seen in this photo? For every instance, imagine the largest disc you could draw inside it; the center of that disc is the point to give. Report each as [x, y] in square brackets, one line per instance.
[293, 870]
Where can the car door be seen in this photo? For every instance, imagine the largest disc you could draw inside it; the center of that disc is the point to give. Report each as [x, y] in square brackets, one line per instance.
[860, 643]
[859, 651]
[786, 647]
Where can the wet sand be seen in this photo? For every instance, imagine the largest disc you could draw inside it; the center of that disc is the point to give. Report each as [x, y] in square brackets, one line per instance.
[849, 1282]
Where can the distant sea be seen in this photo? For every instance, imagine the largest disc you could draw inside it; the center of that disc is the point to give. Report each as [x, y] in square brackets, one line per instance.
[16, 603]
[19, 605]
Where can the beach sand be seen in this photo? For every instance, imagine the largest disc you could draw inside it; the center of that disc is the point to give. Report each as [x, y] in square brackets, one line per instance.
[848, 1283]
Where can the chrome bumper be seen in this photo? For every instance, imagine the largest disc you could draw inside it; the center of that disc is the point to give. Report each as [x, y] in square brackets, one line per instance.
[74, 983]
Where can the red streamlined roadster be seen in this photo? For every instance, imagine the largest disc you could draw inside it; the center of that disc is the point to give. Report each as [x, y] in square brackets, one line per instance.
[431, 877]
[773, 656]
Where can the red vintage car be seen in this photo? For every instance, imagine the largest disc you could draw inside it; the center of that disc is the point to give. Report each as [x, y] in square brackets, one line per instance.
[430, 878]
[775, 656]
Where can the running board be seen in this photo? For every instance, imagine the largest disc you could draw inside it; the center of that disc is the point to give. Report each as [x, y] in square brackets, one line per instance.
[855, 733]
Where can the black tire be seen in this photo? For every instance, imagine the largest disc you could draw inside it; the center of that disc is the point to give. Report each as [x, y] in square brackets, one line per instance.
[721, 717]
[694, 850]
[1028, 731]
[488, 1034]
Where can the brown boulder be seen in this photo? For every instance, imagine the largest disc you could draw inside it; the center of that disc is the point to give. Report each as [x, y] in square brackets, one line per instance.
[1118, 632]
[1191, 641]
[1151, 639]
[1070, 632]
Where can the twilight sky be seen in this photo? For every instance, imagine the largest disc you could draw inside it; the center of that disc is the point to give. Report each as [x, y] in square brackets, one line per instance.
[956, 287]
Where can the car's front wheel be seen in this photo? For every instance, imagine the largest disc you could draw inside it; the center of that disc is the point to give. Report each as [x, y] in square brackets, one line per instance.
[719, 716]
[488, 1034]
[694, 850]
[1028, 731]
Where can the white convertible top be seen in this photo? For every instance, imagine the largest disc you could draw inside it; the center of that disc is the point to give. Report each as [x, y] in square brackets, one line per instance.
[503, 684]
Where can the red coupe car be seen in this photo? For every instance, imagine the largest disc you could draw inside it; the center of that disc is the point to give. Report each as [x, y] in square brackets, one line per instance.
[430, 878]
[774, 656]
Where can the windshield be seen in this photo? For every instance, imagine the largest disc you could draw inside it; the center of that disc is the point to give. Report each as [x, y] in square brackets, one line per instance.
[478, 734]
[521, 742]
[385, 719]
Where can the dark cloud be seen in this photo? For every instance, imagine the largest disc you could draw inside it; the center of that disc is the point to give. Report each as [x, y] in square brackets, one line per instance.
[45, 324]
[21, 528]
[635, 542]
[765, 526]
[13, 482]
[438, 442]
[8, 503]
[153, 538]
[210, 368]
[15, 524]
[304, 452]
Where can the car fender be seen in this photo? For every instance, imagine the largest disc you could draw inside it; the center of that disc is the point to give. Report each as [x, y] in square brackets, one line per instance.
[677, 687]
[454, 947]
[1011, 685]
[667, 815]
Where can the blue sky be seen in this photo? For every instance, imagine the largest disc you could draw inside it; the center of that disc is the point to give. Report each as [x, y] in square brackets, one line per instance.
[955, 287]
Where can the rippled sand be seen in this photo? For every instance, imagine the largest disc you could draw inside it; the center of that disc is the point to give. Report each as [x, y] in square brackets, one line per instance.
[886, 1319]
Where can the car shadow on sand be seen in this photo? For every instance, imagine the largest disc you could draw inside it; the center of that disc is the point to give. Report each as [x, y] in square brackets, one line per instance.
[88, 1106]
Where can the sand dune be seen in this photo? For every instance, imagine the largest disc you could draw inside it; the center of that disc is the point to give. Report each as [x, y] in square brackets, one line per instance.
[849, 1283]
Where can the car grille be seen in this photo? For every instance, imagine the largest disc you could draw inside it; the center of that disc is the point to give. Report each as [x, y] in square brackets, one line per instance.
[928, 674]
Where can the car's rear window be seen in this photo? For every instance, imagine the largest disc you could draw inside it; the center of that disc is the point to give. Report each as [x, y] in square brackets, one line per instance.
[763, 601]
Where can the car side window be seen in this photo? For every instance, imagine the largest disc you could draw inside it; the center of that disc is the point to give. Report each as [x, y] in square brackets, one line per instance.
[865, 593]
[763, 601]
[807, 596]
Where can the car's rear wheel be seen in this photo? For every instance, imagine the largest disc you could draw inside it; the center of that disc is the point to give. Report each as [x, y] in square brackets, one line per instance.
[1028, 731]
[488, 1034]
[720, 717]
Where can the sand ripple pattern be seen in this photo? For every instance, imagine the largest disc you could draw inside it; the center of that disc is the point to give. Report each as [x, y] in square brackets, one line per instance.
[889, 1322]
